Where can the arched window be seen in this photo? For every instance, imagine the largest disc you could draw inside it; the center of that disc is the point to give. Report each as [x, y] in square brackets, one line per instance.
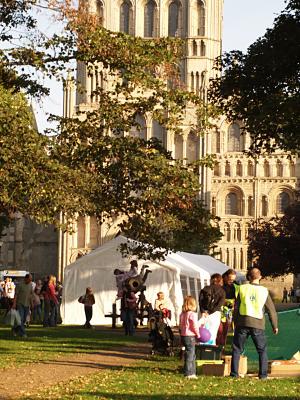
[234, 259]
[241, 259]
[217, 169]
[139, 130]
[100, 12]
[237, 232]
[231, 204]
[250, 168]
[195, 48]
[292, 169]
[201, 18]
[202, 49]
[197, 83]
[192, 82]
[202, 85]
[283, 201]
[250, 206]
[227, 232]
[213, 206]
[150, 19]
[234, 138]
[239, 169]
[81, 226]
[175, 19]
[266, 169]
[227, 168]
[178, 147]
[126, 17]
[264, 206]
[215, 141]
[279, 168]
[227, 257]
[192, 147]
[158, 131]
[247, 230]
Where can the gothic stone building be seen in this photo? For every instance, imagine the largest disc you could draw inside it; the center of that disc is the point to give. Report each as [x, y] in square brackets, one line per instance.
[238, 189]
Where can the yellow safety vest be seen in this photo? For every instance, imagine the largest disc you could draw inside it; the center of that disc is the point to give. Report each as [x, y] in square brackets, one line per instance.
[252, 300]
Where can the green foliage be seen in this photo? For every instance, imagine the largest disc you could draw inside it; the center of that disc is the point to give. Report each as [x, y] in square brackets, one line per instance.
[30, 182]
[274, 245]
[261, 88]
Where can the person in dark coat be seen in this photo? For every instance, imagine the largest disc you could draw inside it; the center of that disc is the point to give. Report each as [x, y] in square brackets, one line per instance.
[211, 300]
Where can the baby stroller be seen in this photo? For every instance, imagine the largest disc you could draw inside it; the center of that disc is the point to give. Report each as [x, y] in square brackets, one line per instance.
[161, 335]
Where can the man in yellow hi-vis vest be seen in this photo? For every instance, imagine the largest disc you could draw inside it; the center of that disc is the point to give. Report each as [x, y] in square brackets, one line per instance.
[252, 301]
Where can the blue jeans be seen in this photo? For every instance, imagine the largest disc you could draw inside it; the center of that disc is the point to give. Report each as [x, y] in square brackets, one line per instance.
[129, 321]
[23, 311]
[189, 367]
[241, 334]
[37, 313]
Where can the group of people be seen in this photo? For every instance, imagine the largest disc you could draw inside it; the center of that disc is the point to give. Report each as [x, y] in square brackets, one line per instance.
[224, 302]
[292, 295]
[34, 302]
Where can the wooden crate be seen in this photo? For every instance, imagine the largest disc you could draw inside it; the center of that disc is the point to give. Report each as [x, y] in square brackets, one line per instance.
[284, 368]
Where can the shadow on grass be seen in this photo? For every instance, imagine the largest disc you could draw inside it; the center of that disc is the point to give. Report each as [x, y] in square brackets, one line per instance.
[113, 396]
[128, 396]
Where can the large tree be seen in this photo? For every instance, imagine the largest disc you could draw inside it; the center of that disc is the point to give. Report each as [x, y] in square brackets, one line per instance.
[262, 86]
[31, 182]
[91, 166]
[274, 244]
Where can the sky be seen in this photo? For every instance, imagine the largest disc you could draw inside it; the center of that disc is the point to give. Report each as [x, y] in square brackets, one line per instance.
[244, 21]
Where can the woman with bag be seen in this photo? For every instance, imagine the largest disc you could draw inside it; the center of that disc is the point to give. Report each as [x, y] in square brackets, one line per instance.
[211, 300]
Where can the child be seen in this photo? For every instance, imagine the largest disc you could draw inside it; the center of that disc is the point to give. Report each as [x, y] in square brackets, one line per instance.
[162, 305]
[189, 332]
[88, 300]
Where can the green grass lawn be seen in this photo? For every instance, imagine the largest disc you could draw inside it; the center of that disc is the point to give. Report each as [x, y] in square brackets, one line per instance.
[160, 379]
[155, 378]
[45, 344]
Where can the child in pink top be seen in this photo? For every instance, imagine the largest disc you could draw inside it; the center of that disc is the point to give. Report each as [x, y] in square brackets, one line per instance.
[189, 332]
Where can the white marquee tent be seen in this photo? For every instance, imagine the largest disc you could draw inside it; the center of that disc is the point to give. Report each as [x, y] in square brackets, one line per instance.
[179, 274]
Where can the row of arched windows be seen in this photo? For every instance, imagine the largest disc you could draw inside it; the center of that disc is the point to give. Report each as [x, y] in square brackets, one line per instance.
[96, 81]
[235, 141]
[234, 206]
[234, 257]
[238, 169]
[198, 48]
[140, 129]
[151, 22]
[198, 83]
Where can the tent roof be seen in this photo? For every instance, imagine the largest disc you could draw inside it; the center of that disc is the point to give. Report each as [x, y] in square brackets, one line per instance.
[186, 263]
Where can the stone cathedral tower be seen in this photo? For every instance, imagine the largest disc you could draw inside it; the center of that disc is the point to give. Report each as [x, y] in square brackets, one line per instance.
[239, 189]
[199, 23]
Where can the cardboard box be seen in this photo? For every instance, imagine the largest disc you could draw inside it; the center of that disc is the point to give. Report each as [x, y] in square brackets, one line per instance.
[243, 365]
[201, 363]
[284, 368]
[214, 369]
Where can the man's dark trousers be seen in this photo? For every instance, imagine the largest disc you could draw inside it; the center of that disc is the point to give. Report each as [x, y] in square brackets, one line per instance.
[241, 334]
